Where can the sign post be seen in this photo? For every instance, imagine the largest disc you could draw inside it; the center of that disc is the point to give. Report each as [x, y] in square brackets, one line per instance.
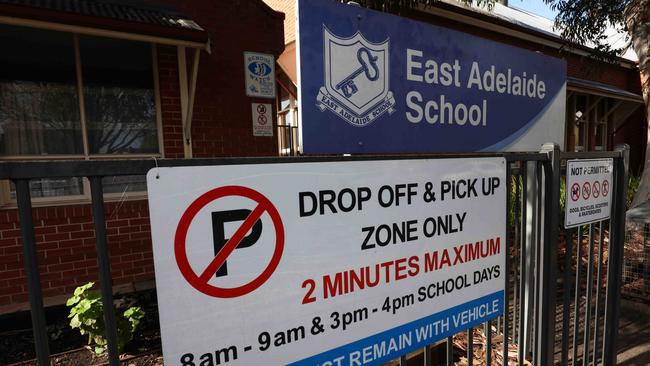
[588, 197]
[329, 263]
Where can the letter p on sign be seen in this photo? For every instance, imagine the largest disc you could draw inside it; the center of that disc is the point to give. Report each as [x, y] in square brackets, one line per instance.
[219, 220]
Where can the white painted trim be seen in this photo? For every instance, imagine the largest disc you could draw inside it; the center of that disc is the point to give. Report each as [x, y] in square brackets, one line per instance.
[183, 90]
[123, 156]
[156, 91]
[5, 197]
[604, 94]
[102, 32]
[81, 95]
[192, 92]
[43, 157]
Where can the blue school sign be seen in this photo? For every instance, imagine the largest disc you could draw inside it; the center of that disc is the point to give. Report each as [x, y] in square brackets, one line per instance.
[371, 82]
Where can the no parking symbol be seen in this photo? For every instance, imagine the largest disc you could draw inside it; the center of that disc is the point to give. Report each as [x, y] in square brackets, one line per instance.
[224, 247]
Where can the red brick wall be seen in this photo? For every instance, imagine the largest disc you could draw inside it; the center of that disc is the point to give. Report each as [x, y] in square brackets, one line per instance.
[170, 102]
[221, 126]
[222, 119]
[66, 249]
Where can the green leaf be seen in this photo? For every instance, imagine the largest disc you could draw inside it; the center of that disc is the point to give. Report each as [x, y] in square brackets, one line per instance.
[86, 314]
[74, 322]
[73, 300]
[81, 289]
[84, 305]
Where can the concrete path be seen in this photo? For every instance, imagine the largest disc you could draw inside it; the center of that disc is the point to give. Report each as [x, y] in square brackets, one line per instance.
[634, 335]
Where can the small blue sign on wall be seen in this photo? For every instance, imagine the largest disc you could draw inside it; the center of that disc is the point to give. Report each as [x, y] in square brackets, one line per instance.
[260, 75]
[371, 82]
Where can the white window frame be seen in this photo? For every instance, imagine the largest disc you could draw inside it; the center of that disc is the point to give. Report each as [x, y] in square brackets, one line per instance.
[5, 188]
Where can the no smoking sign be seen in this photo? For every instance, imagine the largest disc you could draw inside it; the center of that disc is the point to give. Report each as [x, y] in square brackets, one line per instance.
[246, 235]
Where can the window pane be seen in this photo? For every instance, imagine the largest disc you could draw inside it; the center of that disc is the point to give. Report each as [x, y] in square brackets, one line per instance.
[119, 96]
[125, 183]
[52, 187]
[39, 108]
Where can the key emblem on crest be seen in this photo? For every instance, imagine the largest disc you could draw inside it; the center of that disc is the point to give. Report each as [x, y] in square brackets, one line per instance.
[356, 78]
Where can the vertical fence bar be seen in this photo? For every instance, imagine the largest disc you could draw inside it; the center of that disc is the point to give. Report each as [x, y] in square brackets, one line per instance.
[545, 340]
[537, 245]
[576, 298]
[522, 263]
[533, 241]
[39, 329]
[519, 222]
[535, 280]
[402, 360]
[599, 284]
[470, 346]
[488, 340]
[566, 301]
[506, 300]
[450, 351]
[616, 252]
[97, 195]
[499, 320]
[427, 356]
[590, 289]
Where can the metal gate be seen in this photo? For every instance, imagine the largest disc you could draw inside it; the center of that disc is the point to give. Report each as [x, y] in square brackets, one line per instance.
[554, 313]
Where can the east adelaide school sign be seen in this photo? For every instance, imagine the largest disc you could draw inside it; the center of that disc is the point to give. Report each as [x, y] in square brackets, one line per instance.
[329, 263]
[371, 82]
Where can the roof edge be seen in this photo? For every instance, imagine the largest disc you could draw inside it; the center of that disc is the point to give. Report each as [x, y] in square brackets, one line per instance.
[558, 41]
[269, 9]
[109, 24]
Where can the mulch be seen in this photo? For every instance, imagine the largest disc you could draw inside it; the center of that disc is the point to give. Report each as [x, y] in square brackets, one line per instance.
[69, 348]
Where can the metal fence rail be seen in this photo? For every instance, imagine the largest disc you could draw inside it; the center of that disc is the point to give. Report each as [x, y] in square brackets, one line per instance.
[532, 279]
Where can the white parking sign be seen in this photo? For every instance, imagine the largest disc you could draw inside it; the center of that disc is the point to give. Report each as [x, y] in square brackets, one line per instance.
[325, 263]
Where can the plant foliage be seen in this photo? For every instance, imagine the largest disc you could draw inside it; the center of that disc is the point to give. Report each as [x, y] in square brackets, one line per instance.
[86, 314]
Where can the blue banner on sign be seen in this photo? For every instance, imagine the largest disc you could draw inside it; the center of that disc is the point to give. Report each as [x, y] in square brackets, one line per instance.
[401, 340]
[371, 82]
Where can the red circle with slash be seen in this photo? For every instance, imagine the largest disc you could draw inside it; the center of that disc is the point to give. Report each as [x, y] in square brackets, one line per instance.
[586, 190]
[262, 120]
[605, 188]
[595, 189]
[575, 192]
[200, 281]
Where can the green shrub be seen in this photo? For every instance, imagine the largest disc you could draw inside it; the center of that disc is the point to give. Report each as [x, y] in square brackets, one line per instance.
[87, 315]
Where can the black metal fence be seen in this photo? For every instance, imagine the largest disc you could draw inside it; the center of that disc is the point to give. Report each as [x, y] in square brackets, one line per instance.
[555, 312]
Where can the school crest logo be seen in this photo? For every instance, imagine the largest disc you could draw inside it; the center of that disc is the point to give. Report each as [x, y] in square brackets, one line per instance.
[356, 79]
